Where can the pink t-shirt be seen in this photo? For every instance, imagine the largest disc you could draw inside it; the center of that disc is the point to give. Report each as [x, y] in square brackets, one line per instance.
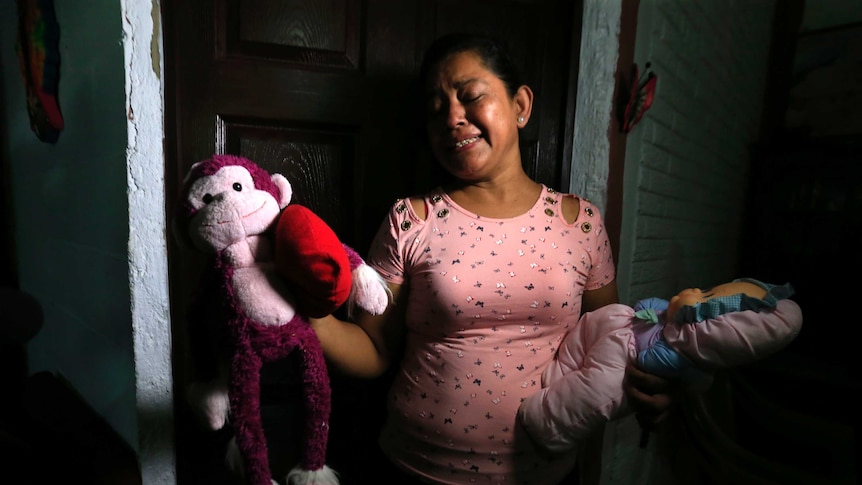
[489, 303]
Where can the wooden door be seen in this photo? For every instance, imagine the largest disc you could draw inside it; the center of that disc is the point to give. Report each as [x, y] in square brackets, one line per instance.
[322, 91]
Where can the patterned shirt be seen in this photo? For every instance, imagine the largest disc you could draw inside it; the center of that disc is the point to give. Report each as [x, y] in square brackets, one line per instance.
[489, 303]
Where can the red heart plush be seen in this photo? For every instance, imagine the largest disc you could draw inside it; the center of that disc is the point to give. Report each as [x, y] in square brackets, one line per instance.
[311, 258]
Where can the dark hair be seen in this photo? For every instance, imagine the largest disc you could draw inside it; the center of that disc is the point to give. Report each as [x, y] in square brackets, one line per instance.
[493, 54]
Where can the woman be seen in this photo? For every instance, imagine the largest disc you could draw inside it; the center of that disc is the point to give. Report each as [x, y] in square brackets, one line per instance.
[487, 274]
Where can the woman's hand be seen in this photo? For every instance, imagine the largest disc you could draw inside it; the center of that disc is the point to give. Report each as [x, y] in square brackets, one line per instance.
[367, 347]
[652, 397]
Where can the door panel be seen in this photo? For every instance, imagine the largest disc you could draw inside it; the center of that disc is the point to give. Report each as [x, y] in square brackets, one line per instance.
[323, 93]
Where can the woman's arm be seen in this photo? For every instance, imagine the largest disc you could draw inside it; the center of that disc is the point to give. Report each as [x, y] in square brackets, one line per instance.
[595, 299]
[368, 347]
[650, 396]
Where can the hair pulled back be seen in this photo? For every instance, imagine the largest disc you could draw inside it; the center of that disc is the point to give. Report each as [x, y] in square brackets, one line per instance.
[494, 57]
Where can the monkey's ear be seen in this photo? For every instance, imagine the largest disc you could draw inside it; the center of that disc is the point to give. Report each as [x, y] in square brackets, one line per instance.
[284, 189]
[191, 171]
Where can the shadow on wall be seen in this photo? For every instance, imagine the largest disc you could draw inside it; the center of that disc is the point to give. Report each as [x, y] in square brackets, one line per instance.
[46, 428]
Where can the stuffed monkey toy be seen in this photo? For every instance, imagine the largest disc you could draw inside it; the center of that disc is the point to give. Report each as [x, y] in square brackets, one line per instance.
[273, 265]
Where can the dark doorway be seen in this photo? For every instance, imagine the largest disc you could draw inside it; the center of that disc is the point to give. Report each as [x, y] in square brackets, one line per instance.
[321, 92]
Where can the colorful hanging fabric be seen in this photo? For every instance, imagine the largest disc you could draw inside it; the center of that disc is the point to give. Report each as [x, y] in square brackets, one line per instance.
[39, 60]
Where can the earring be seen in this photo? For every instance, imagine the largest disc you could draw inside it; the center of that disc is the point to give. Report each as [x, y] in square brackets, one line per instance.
[520, 119]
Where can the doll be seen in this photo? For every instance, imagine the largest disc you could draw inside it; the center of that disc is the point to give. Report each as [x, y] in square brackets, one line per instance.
[685, 338]
[273, 265]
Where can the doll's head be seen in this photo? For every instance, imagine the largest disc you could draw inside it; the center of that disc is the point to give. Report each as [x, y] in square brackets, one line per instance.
[226, 199]
[694, 305]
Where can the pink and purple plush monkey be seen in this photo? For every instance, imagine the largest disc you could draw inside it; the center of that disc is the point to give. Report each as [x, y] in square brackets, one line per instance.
[273, 265]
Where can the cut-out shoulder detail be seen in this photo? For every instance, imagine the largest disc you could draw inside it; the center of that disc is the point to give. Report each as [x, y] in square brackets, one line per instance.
[418, 204]
[571, 208]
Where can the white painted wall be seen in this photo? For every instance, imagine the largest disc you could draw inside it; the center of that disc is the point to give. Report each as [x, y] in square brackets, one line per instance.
[148, 234]
[686, 174]
[686, 169]
[594, 104]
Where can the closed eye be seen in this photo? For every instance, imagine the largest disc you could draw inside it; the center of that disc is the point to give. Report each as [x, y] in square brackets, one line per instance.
[471, 97]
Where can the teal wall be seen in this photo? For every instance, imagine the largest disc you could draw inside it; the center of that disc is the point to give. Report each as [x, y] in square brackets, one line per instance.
[69, 210]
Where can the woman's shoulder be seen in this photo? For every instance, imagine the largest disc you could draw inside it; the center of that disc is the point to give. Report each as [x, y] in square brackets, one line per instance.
[418, 204]
[574, 205]
[571, 206]
[413, 207]
[421, 203]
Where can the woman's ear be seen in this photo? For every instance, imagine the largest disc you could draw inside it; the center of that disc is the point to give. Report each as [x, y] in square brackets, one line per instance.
[523, 105]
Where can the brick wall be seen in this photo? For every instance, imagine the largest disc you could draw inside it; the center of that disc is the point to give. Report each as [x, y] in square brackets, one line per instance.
[686, 168]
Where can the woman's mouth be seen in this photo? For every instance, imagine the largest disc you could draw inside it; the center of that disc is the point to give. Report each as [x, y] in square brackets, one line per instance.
[466, 142]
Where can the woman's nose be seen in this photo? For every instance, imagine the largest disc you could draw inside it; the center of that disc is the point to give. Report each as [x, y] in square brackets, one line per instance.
[456, 115]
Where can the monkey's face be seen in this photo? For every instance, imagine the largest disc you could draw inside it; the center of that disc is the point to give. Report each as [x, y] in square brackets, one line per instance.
[229, 209]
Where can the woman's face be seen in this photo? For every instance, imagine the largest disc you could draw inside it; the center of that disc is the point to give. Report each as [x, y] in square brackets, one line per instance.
[472, 122]
[693, 296]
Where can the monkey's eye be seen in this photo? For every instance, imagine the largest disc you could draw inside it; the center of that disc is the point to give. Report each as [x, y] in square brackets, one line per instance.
[208, 198]
[237, 186]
